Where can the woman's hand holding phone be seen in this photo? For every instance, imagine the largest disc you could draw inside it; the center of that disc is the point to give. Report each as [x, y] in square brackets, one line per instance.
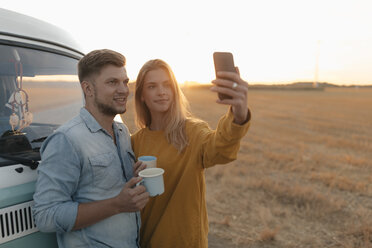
[232, 88]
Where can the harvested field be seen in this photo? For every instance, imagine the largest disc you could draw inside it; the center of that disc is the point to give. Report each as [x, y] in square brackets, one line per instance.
[303, 177]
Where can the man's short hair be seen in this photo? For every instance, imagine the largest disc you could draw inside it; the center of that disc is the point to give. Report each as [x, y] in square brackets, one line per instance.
[93, 62]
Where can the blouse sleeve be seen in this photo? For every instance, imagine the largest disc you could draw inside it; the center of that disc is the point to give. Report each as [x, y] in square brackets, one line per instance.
[222, 145]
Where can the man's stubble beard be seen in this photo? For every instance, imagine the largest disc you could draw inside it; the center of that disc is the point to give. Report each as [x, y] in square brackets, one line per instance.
[105, 108]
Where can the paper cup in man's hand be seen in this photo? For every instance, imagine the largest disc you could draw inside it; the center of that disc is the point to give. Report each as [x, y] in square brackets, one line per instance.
[153, 180]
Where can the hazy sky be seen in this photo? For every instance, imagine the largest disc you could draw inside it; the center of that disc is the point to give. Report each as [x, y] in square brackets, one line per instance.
[273, 41]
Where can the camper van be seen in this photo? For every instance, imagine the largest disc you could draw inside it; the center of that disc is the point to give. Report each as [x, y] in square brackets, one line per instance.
[39, 91]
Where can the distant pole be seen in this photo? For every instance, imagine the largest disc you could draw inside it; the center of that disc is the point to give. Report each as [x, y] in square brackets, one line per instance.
[316, 73]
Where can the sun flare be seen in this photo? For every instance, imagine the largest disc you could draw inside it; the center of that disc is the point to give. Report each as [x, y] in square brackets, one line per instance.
[272, 41]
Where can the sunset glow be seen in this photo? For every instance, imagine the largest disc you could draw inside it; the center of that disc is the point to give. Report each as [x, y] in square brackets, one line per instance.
[52, 78]
[272, 41]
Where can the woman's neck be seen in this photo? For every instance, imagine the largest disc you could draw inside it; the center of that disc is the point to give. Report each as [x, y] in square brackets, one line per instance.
[157, 122]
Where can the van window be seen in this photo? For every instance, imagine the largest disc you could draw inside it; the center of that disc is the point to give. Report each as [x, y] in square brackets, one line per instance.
[39, 91]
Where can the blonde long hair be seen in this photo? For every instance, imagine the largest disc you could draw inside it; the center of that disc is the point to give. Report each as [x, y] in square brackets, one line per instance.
[178, 112]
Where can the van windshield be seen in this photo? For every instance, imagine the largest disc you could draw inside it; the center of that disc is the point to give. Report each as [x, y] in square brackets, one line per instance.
[39, 91]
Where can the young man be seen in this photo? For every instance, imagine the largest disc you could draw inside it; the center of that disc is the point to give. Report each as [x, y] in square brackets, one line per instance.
[86, 190]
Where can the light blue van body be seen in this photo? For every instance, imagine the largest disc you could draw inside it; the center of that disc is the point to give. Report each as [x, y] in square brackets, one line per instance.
[39, 91]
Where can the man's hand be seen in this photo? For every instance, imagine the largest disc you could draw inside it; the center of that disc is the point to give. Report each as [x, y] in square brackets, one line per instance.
[138, 166]
[230, 83]
[132, 198]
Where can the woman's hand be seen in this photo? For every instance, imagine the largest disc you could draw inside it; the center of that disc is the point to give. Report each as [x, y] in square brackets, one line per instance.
[137, 167]
[231, 84]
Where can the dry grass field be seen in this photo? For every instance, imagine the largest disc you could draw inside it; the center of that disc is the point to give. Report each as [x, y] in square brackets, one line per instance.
[303, 177]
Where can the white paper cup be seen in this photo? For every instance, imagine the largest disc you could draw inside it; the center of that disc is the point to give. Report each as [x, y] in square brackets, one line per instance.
[153, 180]
[150, 161]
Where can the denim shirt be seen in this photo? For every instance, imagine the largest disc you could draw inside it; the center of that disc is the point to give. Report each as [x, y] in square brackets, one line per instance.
[81, 163]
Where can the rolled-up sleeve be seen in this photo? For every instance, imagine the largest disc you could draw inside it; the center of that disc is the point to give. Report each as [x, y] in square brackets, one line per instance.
[58, 175]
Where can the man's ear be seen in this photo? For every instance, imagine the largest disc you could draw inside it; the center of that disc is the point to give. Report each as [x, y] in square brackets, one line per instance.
[88, 88]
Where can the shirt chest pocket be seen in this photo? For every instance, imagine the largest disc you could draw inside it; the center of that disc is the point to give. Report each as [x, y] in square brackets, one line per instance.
[106, 174]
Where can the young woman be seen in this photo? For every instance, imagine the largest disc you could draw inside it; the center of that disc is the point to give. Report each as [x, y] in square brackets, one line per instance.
[184, 147]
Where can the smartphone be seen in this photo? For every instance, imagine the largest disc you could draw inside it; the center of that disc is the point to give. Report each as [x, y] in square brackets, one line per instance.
[223, 61]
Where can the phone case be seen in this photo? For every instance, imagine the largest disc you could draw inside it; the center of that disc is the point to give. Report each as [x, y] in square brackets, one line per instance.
[223, 61]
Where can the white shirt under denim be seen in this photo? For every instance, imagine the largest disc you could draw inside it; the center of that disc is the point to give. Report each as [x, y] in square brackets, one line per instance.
[81, 163]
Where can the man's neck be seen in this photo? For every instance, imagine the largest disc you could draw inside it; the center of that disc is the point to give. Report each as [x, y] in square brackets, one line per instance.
[104, 120]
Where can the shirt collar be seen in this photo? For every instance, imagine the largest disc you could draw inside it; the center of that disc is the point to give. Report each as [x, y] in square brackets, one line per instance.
[89, 120]
[116, 127]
